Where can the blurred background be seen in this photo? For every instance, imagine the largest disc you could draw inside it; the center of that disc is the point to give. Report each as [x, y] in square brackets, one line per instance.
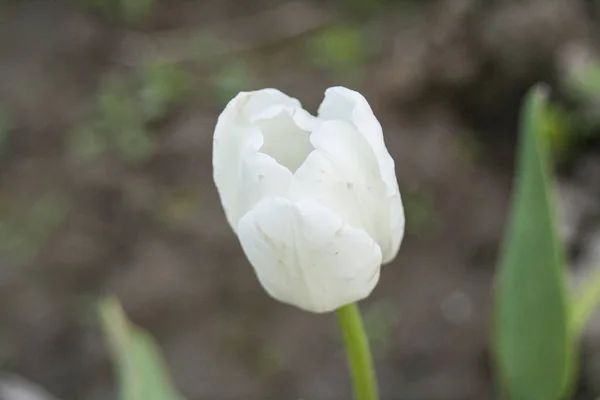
[107, 109]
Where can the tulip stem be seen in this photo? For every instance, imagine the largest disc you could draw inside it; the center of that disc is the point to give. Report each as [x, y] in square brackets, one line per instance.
[358, 353]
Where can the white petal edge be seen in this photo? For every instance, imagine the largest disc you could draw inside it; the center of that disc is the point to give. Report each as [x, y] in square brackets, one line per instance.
[350, 106]
[397, 226]
[307, 256]
[235, 138]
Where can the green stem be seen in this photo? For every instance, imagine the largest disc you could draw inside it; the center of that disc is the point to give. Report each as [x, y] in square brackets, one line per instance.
[585, 302]
[358, 353]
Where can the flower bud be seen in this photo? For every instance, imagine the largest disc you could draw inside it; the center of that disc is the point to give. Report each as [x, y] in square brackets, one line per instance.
[314, 201]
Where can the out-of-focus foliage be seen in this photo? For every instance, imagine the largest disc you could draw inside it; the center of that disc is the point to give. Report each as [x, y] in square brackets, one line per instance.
[587, 82]
[340, 49]
[129, 11]
[124, 109]
[142, 374]
[558, 133]
[583, 86]
[534, 344]
[585, 302]
[232, 78]
[23, 231]
[161, 86]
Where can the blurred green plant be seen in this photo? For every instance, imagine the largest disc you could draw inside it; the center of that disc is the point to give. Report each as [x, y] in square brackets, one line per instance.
[128, 11]
[557, 132]
[6, 125]
[340, 49]
[162, 85]
[585, 302]
[22, 232]
[226, 72]
[586, 83]
[534, 345]
[124, 109]
[584, 87]
[231, 79]
[142, 374]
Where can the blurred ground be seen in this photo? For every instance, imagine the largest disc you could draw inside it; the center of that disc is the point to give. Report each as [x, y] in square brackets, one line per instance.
[107, 109]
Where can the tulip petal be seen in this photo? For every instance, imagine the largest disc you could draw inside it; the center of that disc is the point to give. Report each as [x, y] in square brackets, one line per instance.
[347, 105]
[238, 136]
[262, 177]
[284, 137]
[307, 256]
[397, 222]
[343, 174]
[350, 106]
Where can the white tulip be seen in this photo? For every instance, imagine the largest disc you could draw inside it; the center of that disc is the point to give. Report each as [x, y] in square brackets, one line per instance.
[314, 201]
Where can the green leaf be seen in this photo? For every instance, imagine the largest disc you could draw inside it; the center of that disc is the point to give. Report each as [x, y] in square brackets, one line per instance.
[533, 342]
[142, 373]
[585, 302]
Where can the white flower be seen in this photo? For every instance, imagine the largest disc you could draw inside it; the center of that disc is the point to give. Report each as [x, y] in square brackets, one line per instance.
[314, 201]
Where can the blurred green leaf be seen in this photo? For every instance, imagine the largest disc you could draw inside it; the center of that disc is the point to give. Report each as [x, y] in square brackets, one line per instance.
[116, 106]
[130, 11]
[162, 85]
[340, 49]
[135, 144]
[584, 86]
[22, 232]
[142, 374]
[534, 346]
[88, 142]
[557, 132]
[136, 10]
[585, 302]
[232, 79]
[123, 111]
[587, 82]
